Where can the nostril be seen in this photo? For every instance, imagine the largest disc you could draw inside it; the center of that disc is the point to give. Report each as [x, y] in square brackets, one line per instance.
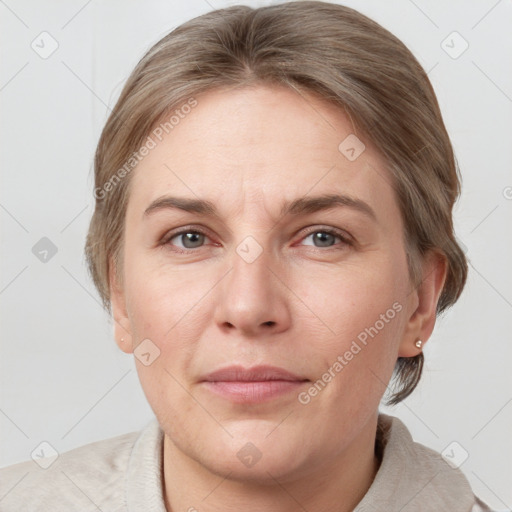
[269, 323]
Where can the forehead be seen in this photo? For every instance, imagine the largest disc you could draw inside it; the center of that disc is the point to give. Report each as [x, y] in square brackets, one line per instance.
[265, 144]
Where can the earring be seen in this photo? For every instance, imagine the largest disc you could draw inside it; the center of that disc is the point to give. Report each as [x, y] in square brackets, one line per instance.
[122, 340]
[419, 343]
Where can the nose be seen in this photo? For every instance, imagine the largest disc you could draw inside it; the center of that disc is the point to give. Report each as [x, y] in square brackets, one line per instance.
[253, 297]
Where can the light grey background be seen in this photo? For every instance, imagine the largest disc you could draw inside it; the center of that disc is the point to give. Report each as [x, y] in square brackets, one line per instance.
[63, 379]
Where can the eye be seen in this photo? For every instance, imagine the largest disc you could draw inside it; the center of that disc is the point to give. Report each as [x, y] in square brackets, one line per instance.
[327, 237]
[186, 239]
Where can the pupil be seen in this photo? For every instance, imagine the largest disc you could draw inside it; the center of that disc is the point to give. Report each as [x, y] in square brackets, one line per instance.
[192, 238]
[321, 237]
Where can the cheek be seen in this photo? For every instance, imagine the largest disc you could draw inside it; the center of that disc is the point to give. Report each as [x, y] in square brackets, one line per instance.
[160, 297]
[354, 298]
[362, 316]
[162, 309]
[170, 307]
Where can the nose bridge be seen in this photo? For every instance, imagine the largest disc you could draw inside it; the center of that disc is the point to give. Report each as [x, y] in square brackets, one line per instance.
[250, 263]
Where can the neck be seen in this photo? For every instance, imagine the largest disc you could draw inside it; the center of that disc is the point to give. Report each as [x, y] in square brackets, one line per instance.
[336, 486]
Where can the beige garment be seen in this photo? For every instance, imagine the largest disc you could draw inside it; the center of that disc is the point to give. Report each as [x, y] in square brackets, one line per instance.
[124, 474]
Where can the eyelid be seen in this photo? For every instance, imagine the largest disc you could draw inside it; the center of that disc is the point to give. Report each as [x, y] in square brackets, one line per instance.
[330, 229]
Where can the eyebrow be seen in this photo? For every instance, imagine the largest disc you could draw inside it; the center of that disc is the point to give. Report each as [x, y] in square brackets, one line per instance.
[301, 206]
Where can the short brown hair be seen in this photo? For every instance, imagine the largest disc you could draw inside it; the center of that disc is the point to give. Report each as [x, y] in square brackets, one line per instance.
[327, 49]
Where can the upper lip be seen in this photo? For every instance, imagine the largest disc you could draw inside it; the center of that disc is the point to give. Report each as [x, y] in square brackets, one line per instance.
[254, 374]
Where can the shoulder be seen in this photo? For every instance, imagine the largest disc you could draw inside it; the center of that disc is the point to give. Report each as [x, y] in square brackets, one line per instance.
[84, 478]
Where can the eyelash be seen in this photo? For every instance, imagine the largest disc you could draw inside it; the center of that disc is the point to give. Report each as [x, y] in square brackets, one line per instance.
[331, 231]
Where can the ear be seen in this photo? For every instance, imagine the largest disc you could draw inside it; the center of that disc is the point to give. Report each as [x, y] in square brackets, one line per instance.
[425, 298]
[122, 327]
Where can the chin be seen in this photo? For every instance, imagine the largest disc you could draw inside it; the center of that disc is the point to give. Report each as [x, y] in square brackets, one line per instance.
[259, 453]
[271, 467]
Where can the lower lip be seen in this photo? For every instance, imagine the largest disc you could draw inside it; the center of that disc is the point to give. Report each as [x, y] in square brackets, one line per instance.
[244, 392]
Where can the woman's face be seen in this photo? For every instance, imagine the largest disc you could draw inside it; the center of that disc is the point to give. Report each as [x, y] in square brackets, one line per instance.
[268, 274]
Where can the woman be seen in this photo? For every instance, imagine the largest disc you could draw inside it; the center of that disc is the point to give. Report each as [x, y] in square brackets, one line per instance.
[273, 235]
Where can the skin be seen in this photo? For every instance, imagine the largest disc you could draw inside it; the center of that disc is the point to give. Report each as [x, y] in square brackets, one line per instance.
[248, 151]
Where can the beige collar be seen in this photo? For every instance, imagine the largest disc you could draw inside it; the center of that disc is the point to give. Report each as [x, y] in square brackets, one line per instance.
[412, 477]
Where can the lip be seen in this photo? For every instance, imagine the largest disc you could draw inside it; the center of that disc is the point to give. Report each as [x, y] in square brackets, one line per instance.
[252, 385]
[256, 373]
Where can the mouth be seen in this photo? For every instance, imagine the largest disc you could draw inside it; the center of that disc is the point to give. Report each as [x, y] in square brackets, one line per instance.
[252, 385]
